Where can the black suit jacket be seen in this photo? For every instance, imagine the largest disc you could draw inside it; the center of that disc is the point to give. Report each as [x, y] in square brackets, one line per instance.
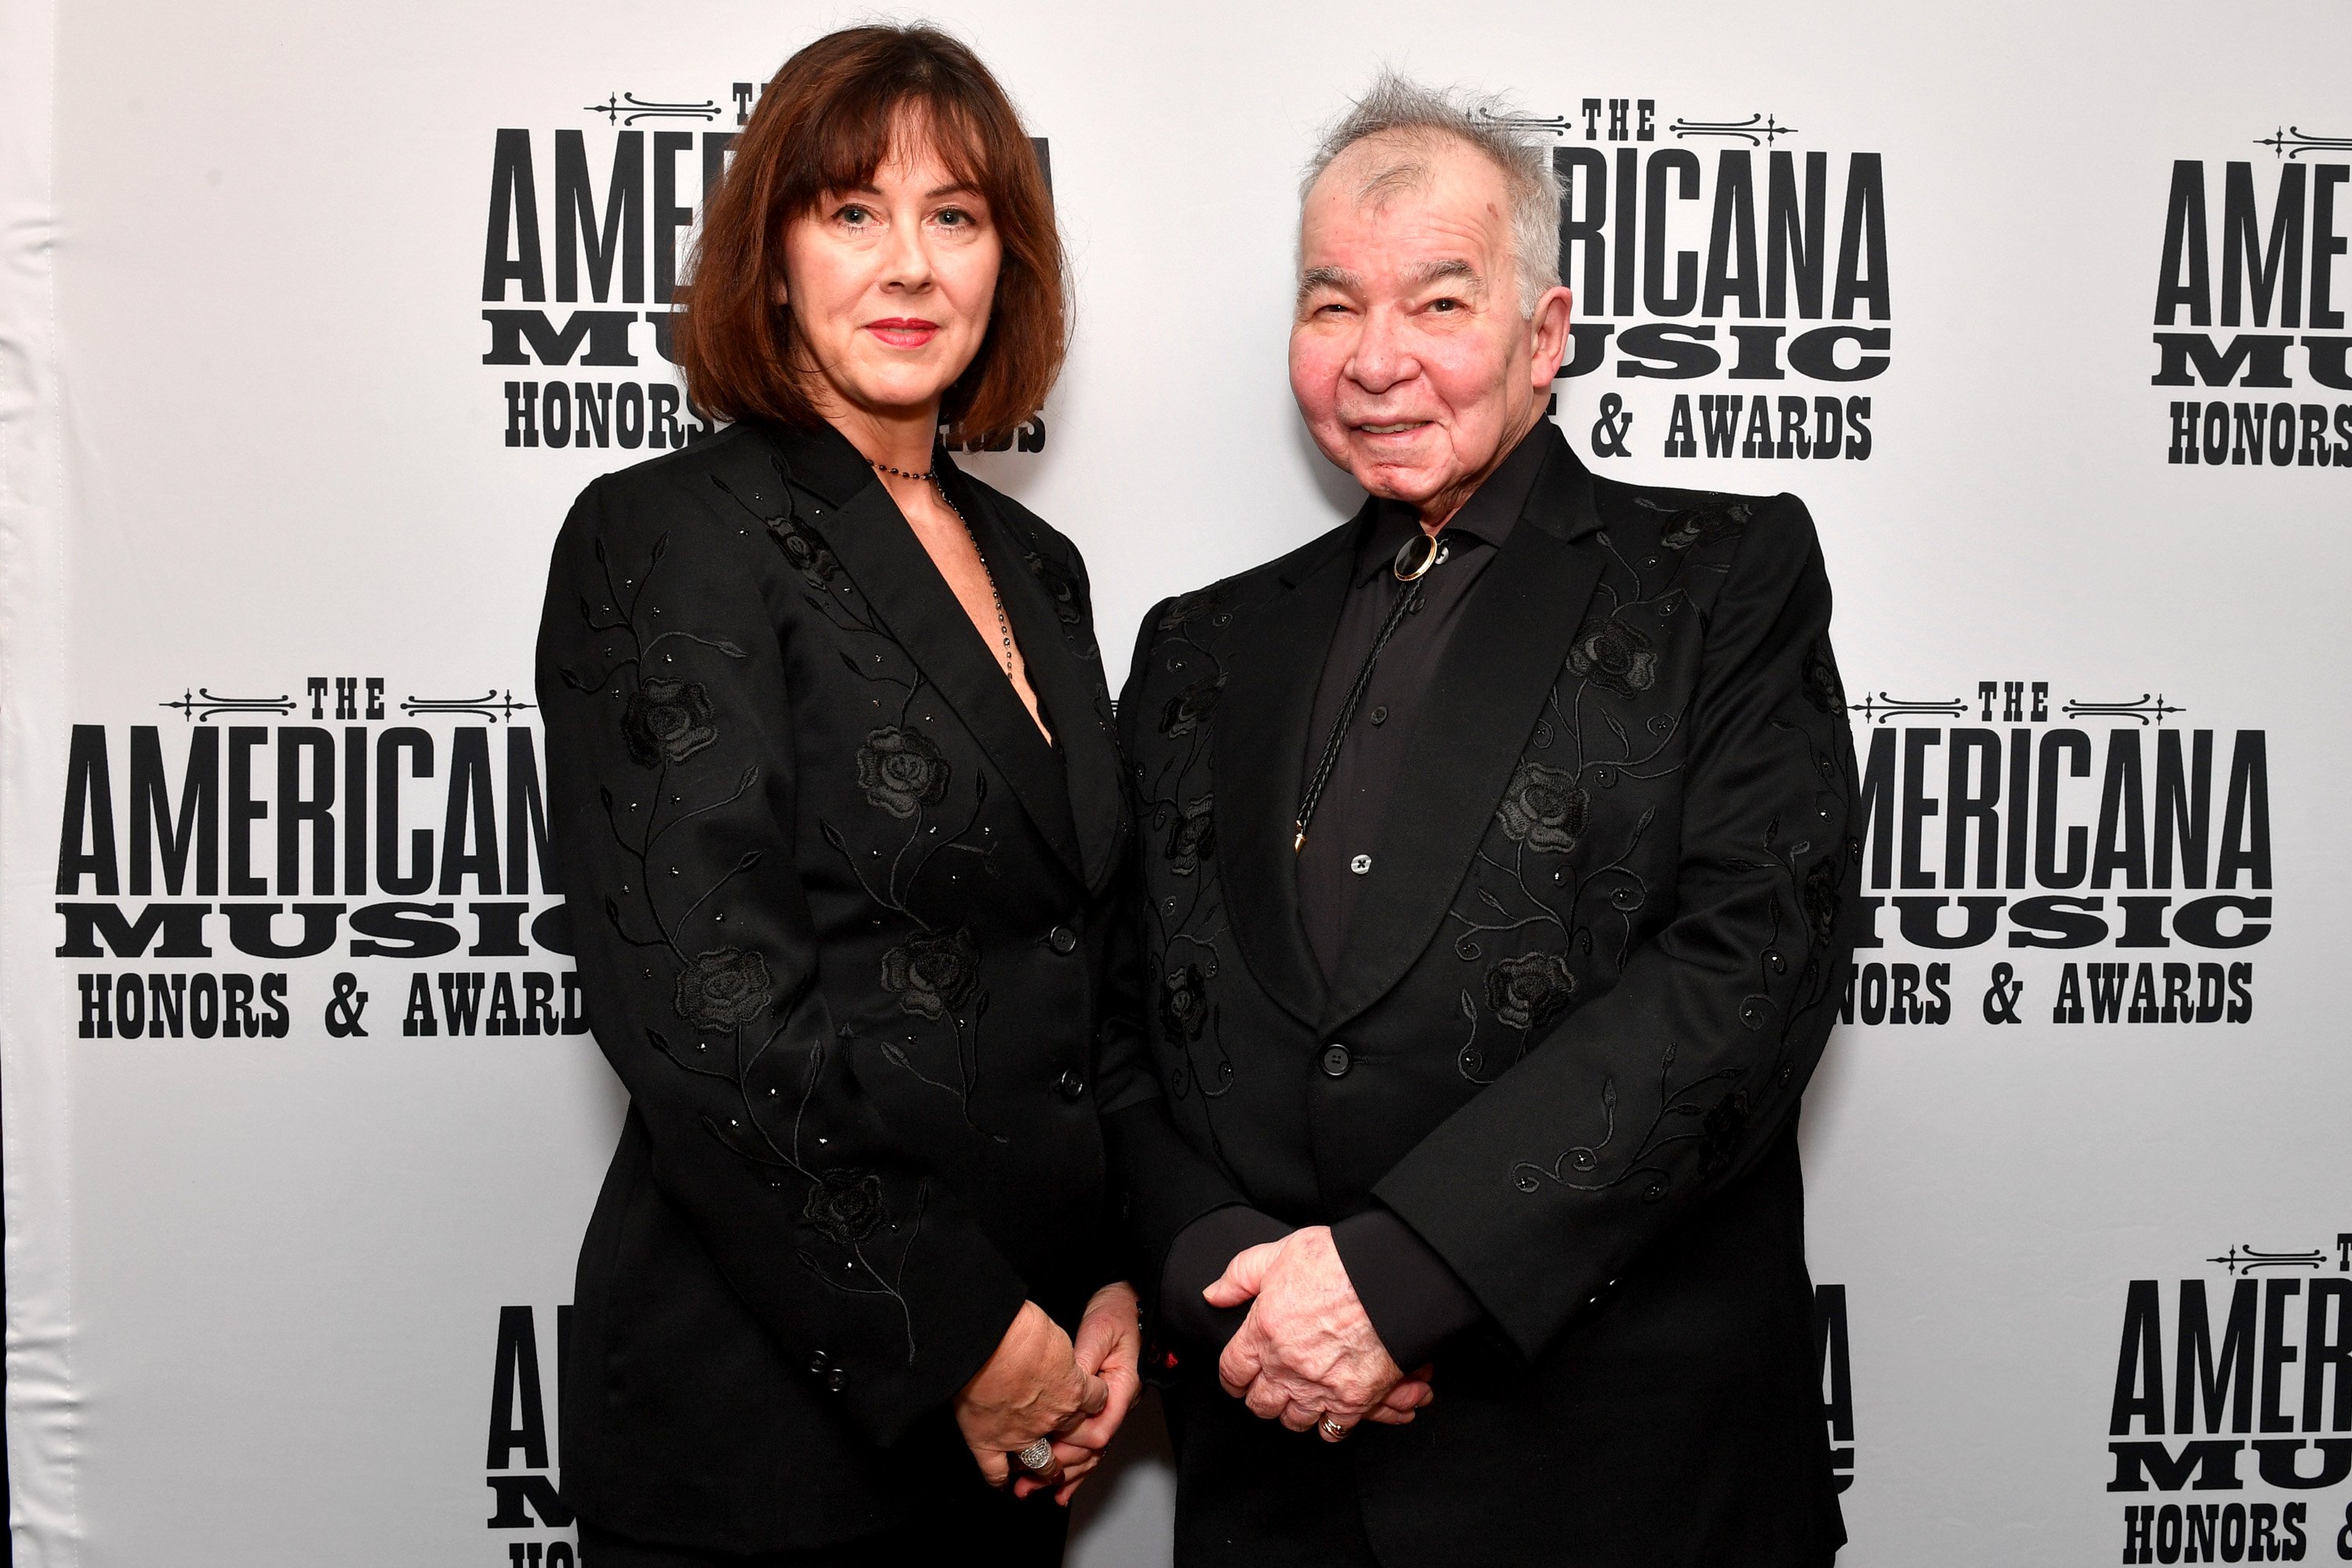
[1595, 959]
[839, 911]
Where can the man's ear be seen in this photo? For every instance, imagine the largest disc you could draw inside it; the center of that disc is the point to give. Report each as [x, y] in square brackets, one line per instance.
[1547, 336]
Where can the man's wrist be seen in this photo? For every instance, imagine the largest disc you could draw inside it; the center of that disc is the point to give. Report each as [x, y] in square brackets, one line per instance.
[1414, 1300]
[1196, 1259]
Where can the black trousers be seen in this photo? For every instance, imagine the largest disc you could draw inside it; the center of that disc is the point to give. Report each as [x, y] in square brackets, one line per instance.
[992, 1531]
[1314, 1519]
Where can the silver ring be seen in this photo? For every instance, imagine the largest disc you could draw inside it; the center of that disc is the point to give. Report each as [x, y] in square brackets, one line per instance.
[1333, 1430]
[1037, 1457]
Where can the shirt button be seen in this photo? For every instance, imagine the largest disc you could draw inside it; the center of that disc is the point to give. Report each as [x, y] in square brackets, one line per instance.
[1063, 939]
[1361, 864]
[1380, 714]
[1336, 1060]
[1073, 1085]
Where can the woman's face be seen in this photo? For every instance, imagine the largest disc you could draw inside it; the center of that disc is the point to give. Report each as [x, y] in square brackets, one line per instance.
[889, 284]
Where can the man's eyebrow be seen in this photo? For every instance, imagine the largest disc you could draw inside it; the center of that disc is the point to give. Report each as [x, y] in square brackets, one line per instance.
[1450, 270]
[1316, 277]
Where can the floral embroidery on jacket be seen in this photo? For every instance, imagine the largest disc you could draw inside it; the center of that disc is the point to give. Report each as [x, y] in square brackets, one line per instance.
[1192, 838]
[933, 975]
[1807, 885]
[1188, 707]
[1182, 1007]
[1531, 990]
[1187, 930]
[901, 772]
[667, 721]
[1611, 654]
[1712, 518]
[724, 990]
[1544, 809]
[725, 994]
[1823, 688]
[846, 1206]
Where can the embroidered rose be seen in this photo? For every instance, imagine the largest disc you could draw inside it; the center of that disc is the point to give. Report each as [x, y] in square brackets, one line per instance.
[724, 989]
[1821, 900]
[1719, 1134]
[1823, 688]
[1609, 653]
[933, 975]
[667, 721]
[1528, 991]
[1544, 809]
[808, 553]
[845, 1206]
[1717, 517]
[901, 771]
[1184, 1003]
[1193, 838]
[1185, 710]
[1186, 607]
[1058, 587]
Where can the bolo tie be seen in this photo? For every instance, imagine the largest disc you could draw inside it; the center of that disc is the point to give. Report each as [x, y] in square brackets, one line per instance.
[1414, 558]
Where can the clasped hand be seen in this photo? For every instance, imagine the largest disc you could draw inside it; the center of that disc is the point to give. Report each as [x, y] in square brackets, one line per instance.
[1042, 1384]
[1307, 1349]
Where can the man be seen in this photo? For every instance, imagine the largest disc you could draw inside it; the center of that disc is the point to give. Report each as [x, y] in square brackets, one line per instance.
[1494, 910]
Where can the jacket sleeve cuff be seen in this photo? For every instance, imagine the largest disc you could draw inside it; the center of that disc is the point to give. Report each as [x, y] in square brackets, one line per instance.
[945, 1346]
[1414, 1300]
[1199, 1254]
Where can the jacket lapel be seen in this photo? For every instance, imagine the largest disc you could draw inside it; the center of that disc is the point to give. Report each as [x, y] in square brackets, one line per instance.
[874, 543]
[1482, 703]
[1050, 623]
[1273, 662]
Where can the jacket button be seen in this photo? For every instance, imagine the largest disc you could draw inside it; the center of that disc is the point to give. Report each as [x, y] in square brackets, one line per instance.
[1064, 940]
[819, 1364]
[836, 1380]
[1073, 1086]
[1336, 1060]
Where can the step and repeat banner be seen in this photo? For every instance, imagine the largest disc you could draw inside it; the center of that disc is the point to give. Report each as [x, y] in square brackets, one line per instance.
[313, 318]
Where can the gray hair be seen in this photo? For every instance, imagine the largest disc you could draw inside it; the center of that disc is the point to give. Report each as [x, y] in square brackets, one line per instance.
[1393, 105]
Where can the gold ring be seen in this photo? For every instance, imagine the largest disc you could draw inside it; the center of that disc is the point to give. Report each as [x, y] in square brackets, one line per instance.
[1333, 1430]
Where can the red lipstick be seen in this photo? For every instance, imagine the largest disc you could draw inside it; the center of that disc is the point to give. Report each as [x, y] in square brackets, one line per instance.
[903, 331]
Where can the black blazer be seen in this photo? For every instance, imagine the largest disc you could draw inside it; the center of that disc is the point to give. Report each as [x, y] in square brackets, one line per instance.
[840, 912]
[1595, 959]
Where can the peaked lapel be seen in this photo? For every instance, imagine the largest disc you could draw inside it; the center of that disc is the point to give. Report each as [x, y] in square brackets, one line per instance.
[1483, 703]
[879, 551]
[1088, 751]
[1258, 753]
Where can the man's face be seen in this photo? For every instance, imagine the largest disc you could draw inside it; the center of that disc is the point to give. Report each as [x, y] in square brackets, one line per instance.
[1408, 355]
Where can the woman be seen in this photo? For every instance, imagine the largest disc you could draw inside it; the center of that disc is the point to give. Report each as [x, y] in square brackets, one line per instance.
[836, 806]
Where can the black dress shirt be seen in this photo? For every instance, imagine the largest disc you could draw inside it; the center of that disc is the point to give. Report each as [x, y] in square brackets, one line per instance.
[1413, 1300]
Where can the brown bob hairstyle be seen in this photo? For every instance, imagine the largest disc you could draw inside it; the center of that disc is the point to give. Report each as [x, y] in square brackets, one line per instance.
[826, 122]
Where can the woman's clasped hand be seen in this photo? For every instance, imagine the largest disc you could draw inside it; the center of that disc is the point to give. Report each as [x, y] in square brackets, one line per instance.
[1042, 1383]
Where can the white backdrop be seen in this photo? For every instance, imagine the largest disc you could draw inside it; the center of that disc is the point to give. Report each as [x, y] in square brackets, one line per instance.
[249, 442]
